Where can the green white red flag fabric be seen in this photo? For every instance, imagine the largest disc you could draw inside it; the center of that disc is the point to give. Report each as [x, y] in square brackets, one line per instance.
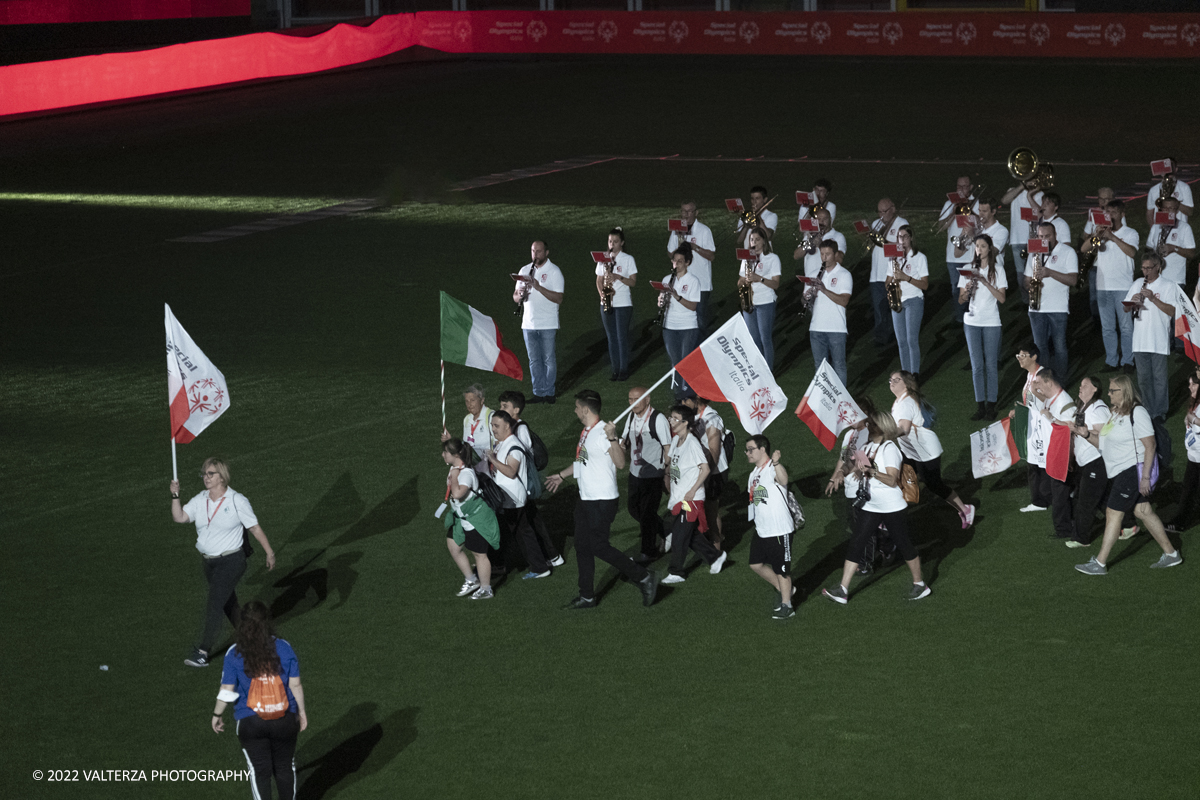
[827, 408]
[473, 340]
[994, 449]
[728, 367]
[196, 389]
[1187, 327]
[1058, 452]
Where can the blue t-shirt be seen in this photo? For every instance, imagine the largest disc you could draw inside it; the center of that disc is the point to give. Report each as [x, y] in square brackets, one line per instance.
[234, 672]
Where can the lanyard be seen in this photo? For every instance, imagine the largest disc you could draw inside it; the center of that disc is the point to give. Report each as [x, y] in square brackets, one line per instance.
[583, 438]
[475, 425]
[214, 513]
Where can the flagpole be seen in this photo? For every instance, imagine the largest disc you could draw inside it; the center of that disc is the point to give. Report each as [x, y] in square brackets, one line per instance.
[174, 462]
[444, 397]
[621, 416]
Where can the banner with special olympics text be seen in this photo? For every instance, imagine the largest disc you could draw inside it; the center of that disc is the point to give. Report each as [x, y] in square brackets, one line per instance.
[68, 82]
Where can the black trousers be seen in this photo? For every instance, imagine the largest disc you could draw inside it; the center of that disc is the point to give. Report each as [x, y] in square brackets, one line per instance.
[1187, 500]
[539, 528]
[1039, 486]
[684, 536]
[222, 575]
[514, 525]
[930, 473]
[593, 522]
[866, 523]
[1093, 480]
[270, 749]
[645, 496]
[1061, 512]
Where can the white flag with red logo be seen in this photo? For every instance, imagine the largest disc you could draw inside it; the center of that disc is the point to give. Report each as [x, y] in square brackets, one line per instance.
[1187, 327]
[727, 367]
[827, 408]
[196, 389]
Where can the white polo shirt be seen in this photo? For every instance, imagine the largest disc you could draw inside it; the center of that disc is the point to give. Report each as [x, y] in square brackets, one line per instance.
[540, 313]
[954, 230]
[879, 264]
[1182, 193]
[1152, 330]
[1114, 269]
[1055, 295]
[514, 487]
[983, 310]
[1095, 414]
[828, 316]
[1180, 236]
[916, 266]
[885, 499]
[768, 267]
[830, 206]
[1062, 231]
[477, 434]
[701, 235]
[219, 523]
[1018, 229]
[812, 263]
[678, 317]
[594, 469]
[624, 266]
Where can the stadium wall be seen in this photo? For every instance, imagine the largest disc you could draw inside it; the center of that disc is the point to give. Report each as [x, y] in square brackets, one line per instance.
[49, 85]
[40, 12]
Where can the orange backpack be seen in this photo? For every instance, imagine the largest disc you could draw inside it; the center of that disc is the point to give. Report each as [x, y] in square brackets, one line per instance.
[268, 697]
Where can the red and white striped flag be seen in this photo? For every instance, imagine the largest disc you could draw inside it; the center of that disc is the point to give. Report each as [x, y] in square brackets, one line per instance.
[827, 408]
[196, 389]
[1187, 327]
[727, 367]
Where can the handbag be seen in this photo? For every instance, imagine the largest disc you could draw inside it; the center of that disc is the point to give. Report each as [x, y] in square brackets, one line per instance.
[909, 485]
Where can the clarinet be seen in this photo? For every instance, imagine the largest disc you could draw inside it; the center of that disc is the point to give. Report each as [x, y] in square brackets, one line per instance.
[526, 289]
[664, 300]
[810, 294]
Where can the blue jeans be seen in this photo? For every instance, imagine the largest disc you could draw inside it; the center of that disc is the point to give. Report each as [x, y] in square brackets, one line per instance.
[762, 324]
[984, 346]
[1113, 319]
[543, 365]
[960, 309]
[702, 313]
[616, 328]
[831, 347]
[1050, 336]
[1019, 276]
[679, 344]
[879, 306]
[1152, 382]
[907, 323]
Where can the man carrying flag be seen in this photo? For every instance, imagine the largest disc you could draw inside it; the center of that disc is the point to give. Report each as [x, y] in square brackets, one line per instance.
[827, 408]
[1058, 415]
[197, 395]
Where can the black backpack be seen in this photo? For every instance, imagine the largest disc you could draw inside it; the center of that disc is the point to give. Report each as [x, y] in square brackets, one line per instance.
[727, 444]
[490, 492]
[541, 456]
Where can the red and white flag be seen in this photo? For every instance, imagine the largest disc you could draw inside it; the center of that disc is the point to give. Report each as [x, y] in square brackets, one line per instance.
[827, 408]
[196, 390]
[1187, 327]
[727, 367]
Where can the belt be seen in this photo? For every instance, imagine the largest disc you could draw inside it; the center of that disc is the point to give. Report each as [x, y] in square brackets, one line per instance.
[222, 555]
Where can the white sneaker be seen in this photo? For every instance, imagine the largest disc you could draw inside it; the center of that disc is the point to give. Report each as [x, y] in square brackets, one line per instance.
[1128, 533]
[482, 593]
[1032, 507]
[667, 542]
[469, 586]
[672, 579]
[720, 562]
[557, 561]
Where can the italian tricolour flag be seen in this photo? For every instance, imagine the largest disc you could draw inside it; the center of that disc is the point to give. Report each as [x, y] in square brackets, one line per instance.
[472, 339]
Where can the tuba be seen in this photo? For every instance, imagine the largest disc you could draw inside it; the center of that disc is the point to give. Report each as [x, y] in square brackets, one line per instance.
[1023, 164]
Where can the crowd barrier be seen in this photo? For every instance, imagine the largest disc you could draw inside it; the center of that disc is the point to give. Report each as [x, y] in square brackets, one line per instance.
[42, 12]
[28, 88]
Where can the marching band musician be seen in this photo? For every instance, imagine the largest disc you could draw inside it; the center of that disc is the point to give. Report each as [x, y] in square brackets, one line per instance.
[1017, 198]
[948, 222]
[616, 325]
[763, 279]
[1157, 297]
[988, 226]
[1182, 192]
[700, 238]
[888, 224]
[539, 292]
[768, 220]
[827, 326]
[821, 189]
[1114, 275]
[981, 324]
[1051, 202]
[681, 331]
[912, 273]
[812, 260]
[1058, 270]
[1175, 244]
[1104, 197]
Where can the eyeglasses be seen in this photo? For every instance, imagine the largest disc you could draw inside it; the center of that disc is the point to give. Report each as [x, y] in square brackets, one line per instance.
[210, 474]
[750, 449]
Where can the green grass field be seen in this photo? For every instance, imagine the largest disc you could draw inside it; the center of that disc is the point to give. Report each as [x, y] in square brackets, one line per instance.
[1018, 677]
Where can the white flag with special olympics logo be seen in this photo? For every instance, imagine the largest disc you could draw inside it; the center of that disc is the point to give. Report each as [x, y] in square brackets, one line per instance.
[827, 407]
[196, 389]
[727, 367]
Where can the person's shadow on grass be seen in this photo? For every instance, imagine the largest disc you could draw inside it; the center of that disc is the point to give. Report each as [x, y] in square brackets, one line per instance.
[355, 747]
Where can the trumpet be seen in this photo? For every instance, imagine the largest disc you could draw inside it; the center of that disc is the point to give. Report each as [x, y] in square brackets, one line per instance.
[1023, 164]
[1098, 246]
[894, 297]
[1167, 190]
[745, 289]
[1035, 287]
[607, 293]
[964, 239]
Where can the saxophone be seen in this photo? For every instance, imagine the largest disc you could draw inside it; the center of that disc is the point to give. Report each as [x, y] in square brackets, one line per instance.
[1033, 232]
[810, 294]
[606, 295]
[1035, 287]
[664, 300]
[746, 290]
[1164, 233]
[894, 298]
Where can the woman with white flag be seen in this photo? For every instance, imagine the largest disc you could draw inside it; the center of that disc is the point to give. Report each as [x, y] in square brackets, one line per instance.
[921, 446]
[880, 501]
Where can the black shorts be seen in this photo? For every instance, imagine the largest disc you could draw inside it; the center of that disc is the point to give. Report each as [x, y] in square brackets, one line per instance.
[1123, 492]
[773, 550]
[472, 540]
